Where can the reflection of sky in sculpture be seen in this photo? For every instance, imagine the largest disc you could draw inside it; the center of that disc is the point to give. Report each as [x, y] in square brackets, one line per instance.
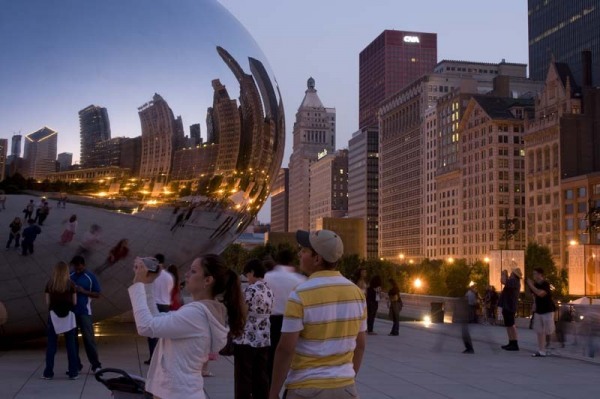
[57, 60]
[60, 57]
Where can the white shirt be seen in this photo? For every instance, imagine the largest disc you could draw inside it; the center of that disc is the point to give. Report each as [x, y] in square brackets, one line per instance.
[282, 280]
[162, 286]
[187, 336]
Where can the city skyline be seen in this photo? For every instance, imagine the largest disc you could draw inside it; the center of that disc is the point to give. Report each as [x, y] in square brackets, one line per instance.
[333, 63]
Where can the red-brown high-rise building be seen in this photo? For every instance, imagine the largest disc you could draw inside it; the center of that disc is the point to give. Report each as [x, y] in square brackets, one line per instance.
[392, 61]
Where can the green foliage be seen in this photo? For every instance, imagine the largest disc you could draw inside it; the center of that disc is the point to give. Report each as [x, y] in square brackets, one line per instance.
[540, 256]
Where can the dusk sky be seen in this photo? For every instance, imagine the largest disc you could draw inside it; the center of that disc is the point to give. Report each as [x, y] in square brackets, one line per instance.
[300, 39]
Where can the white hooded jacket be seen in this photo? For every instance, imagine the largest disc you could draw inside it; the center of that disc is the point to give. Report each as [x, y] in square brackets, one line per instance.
[187, 336]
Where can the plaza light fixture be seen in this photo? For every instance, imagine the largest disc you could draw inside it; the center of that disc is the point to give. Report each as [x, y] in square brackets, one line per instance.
[411, 261]
[450, 260]
[427, 321]
[401, 256]
[486, 259]
[418, 283]
[572, 243]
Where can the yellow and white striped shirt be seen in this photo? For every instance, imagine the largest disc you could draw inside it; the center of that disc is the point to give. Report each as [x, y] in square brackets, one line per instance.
[329, 311]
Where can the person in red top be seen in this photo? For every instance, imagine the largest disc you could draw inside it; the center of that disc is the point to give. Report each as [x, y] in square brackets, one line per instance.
[176, 300]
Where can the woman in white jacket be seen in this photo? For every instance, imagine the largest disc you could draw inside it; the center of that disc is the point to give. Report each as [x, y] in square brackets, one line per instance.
[189, 334]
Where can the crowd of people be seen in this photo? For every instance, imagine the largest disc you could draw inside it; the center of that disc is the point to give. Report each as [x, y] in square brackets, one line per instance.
[299, 329]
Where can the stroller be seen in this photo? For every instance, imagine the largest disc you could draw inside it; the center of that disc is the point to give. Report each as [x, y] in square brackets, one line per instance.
[124, 385]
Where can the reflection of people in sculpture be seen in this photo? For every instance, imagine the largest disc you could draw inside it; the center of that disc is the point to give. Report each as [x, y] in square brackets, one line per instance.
[89, 241]
[178, 221]
[69, 232]
[118, 252]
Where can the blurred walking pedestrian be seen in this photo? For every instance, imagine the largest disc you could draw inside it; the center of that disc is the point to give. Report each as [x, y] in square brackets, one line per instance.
[373, 298]
[14, 232]
[69, 232]
[508, 302]
[395, 306]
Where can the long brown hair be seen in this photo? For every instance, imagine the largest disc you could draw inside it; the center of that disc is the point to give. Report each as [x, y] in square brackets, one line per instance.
[60, 280]
[227, 285]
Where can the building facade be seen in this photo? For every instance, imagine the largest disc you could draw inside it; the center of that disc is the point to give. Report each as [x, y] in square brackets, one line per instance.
[329, 187]
[94, 127]
[389, 63]
[418, 145]
[314, 133]
[40, 153]
[363, 184]
[561, 143]
[492, 175]
[280, 201]
[161, 135]
[346, 228]
[65, 161]
[191, 164]
[15, 148]
[226, 127]
[3, 156]
[560, 31]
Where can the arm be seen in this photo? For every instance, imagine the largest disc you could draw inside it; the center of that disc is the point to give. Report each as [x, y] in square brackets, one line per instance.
[283, 359]
[189, 321]
[359, 350]
[536, 291]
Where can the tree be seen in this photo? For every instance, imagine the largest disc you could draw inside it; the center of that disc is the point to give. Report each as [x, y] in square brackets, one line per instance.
[540, 256]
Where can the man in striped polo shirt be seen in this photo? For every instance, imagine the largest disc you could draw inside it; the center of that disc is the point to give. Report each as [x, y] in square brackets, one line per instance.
[323, 333]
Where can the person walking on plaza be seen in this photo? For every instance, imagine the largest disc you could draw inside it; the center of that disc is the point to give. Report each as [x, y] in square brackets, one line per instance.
[87, 288]
[61, 299]
[30, 233]
[188, 335]
[69, 231]
[543, 321]
[14, 232]
[373, 298]
[395, 306]
[44, 211]
[472, 302]
[28, 211]
[251, 349]
[508, 302]
[2, 200]
[282, 280]
[360, 279]
[162, 286]
[490, 301]
[323, 333]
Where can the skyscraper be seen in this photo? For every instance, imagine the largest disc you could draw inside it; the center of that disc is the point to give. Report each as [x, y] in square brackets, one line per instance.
[160, 136]
[280, 201]
[40, 153]
[15, 148]
[389, 63]
[561, 30]
[195, 134]
[3, 152]
[94, 127]
[363, 181]
[314, 133]
[65, 160]
[329, 187]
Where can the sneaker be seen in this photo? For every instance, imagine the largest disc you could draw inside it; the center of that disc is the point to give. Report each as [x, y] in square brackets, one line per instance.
[538, 354]
[468, 351]
[96, 369]
[74, 377]
[46, 378]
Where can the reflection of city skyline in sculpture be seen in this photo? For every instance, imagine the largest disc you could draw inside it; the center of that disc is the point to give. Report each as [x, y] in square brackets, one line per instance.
[160, 191]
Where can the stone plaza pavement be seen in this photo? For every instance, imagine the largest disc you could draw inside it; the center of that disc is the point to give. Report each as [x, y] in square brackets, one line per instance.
[422, 362]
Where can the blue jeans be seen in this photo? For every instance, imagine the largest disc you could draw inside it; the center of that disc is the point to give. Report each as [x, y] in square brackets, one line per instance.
[71, 344]
[84, 324]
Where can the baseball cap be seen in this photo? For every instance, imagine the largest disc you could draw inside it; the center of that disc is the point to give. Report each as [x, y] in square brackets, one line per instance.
[324, 242]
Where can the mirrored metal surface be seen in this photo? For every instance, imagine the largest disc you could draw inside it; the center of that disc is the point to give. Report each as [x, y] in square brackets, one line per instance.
[180, 127]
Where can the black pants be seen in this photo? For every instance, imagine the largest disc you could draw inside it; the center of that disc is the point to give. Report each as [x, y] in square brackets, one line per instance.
[27, 247]
[153, 341]
[395, 316]
[276, 322]
[13, 236]
[371, 313]
[250, 372]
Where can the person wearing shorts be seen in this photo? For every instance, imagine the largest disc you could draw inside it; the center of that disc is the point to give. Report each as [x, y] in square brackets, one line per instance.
[543, 320]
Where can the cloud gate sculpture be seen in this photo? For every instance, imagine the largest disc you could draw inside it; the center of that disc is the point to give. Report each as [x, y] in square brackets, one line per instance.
[123, 80]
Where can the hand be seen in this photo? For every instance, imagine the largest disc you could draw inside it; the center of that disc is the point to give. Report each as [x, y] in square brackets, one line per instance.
[141, 273]
[529, 282]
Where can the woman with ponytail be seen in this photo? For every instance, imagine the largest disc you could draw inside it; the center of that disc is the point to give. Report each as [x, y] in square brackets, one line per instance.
[188, 335]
